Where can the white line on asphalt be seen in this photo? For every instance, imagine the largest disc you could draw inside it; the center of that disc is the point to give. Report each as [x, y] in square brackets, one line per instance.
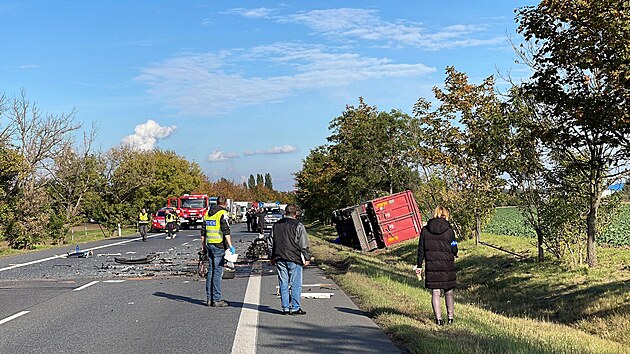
[247, 328]
[12, 317]
[65, 255]
[86, 285]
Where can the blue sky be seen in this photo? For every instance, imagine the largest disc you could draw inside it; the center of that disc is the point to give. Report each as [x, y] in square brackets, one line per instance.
[242, 87]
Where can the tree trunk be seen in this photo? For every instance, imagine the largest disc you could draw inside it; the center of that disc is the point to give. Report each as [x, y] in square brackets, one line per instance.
[541, 254]
[591, 224]
[478, 229]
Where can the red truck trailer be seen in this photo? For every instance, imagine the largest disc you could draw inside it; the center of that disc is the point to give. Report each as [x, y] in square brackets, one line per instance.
[190, 208]
[380, 222]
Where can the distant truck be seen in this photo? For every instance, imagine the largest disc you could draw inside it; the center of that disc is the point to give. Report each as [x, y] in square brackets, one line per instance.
[190, 208]
[379, 223]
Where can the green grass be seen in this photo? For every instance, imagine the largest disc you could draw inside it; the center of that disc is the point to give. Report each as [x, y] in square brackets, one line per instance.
[502, 305]
[78, 238]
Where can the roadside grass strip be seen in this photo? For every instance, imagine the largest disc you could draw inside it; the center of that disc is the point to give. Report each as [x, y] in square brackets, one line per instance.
[12, 317]
[384, 285]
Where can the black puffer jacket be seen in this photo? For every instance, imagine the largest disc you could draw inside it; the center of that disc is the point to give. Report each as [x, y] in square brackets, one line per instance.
[438, 248]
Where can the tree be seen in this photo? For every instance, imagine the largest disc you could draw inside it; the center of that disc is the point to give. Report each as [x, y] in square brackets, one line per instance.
[581, 80]
[465, 137]
[38, 138]
[251, 182]
[260, 181]
[268, 182]
[372, 151]
[72, 175]
[315, 190]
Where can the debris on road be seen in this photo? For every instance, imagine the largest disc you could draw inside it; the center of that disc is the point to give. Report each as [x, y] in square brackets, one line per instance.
[317, 295]
[145, 260]
[80, 254]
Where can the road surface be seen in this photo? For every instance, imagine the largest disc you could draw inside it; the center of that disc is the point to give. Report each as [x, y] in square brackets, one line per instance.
[57, 304]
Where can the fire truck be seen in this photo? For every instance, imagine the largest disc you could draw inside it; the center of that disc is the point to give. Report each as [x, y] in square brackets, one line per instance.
[190, 208]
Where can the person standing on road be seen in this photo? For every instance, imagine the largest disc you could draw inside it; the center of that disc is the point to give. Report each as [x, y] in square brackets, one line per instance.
[437, 248]
[261, 222]
[215, 238]
[171, 224]
[288, 242]
[249, 217]
[143, 222]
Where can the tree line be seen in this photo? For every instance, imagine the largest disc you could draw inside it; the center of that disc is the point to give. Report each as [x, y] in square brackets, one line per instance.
[51, 179]
[555, 142]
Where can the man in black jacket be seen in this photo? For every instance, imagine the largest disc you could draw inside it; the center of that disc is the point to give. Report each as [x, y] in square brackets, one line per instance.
[288, 242]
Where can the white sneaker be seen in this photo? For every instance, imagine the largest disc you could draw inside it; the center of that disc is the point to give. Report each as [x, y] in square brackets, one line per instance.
[168, 237]
[174, 235]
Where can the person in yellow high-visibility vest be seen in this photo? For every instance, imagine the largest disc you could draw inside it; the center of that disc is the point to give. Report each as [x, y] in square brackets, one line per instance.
[215, 239]
[143, 222]
[171, 224]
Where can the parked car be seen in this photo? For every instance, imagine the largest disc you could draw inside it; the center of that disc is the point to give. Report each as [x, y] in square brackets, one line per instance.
[271, 216]
[159, 222]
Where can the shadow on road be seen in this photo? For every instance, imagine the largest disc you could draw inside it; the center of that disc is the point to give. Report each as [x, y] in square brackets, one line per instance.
[180, 298]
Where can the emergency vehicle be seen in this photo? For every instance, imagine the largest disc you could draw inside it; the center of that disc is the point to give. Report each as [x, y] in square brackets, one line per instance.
[190, 208]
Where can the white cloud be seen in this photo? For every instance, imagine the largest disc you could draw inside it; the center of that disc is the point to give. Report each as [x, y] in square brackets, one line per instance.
[260, 12]
[213, 83]
[147, 135]
[218, 156]
[284, 149]
[366, 25]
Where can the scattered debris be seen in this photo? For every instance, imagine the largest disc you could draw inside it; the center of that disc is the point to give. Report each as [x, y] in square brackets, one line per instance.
[130, 252]
[145, 260]
[258, 249]
[108, 254]
[80, 254]
[317, 295]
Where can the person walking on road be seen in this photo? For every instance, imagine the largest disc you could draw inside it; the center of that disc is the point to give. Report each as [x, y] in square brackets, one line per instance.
[437, 248]
[171, 224]
[215, 239]
[143, 222]
[288, 242]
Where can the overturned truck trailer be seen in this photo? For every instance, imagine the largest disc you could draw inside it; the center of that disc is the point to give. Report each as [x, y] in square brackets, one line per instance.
[379, 223]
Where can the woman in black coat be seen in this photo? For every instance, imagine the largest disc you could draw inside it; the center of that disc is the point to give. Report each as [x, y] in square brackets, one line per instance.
[437, 249]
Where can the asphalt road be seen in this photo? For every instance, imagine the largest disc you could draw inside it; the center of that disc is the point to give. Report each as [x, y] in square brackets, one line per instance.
[56, 304]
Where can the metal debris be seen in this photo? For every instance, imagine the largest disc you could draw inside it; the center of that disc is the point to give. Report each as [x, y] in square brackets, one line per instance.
[145, 260]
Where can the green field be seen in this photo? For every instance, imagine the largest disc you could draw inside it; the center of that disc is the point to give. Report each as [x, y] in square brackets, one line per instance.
[510, 222]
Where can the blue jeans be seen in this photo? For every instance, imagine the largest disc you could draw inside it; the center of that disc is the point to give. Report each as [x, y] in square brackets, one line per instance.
[289, 273]
[215, 272]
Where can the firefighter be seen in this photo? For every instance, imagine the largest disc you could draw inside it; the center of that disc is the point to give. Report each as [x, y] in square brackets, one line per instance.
[171, 224]
[215, 239]
[249, 216]
[143, 222]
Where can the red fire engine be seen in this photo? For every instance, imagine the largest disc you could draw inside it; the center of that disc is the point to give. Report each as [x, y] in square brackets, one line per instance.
[190, 208]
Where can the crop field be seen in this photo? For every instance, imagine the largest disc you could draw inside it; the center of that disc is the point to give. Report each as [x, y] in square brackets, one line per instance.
[510, 222]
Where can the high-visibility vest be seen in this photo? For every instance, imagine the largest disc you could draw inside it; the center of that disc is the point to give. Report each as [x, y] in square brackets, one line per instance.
[143, 218]
[170, 218]
[213, 227]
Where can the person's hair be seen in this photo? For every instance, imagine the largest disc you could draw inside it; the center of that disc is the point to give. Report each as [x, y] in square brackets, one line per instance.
[441, 212]
[291, 209]
[221, 200]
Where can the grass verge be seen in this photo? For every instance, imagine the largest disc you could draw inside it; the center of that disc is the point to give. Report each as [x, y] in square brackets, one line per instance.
[502, 305]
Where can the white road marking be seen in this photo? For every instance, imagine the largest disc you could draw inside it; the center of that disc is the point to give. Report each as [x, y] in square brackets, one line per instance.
[247, 328]
[65, 255]
[12, 317]
[86, 285]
